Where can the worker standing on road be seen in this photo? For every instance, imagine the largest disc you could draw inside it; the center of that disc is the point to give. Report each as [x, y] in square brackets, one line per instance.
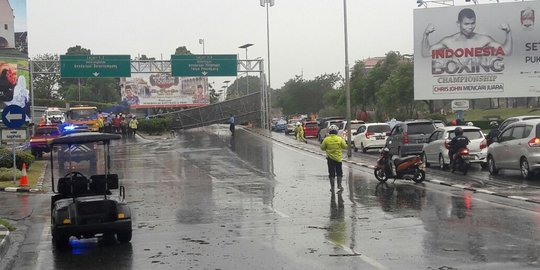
[231, 124]
[299, 131]
[133, 124]
[333, 145]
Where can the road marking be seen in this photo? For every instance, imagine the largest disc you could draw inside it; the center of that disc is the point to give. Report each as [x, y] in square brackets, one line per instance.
[364, 258]
[436, 181]
[518, 198]
[485, 191]
[460, 186]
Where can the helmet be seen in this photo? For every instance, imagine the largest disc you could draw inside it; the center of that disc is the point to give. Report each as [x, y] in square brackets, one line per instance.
[470, 124]
[458, 131]
[493, 124]
[333, 129]
[298, 123]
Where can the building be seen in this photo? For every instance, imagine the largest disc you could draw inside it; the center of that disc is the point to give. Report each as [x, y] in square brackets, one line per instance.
[7, 24]
[369, 63]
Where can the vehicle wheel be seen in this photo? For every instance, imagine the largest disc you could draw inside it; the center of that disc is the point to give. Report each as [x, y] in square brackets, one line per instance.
[525, 169]
[364, 150]
[442, 165]
[380, 174]
[492, 167]
[60, 241]
[424, 159]
[124, 236]
[419, 176]
[354, 147]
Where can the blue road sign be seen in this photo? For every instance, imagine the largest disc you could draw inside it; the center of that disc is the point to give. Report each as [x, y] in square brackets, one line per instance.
[13, 116]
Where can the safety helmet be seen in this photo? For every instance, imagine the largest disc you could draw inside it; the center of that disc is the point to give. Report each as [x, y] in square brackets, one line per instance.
[298, 123]
[458, 131]
[470, 124]
[333, 129]
[493, 124]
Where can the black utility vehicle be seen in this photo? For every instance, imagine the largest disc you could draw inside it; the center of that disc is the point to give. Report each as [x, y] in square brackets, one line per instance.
[84, 206]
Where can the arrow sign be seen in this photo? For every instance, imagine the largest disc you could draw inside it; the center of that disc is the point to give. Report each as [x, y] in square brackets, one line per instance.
[13, 116]
[95, 74]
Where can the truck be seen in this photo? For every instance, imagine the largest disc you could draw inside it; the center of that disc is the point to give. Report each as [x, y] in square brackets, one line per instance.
[81, 115]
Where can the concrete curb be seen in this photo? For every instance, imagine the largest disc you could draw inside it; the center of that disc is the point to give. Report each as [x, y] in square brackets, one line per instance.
[434, 181]
[4, 242]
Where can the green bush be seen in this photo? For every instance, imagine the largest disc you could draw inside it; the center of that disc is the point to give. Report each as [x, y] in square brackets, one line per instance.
[6, 174]
[21, 156]
[154, 125]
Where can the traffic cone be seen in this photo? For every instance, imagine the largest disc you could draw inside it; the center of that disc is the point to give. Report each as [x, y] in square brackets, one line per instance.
[24, 179]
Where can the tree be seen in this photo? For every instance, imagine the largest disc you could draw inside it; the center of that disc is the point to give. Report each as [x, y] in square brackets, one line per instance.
[144, 57]
[397, 92]
[182, 50]
[46, 85]
[240, 87]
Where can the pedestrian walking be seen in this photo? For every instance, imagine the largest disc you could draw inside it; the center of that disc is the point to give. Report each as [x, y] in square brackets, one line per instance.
[299, 131]
[133, 125]
[231, 124]
[333, 145]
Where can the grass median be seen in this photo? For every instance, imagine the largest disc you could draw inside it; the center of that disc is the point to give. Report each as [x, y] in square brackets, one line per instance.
[33, 173]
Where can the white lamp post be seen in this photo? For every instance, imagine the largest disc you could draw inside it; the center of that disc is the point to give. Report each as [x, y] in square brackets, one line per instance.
[267, 4]
[246, 46]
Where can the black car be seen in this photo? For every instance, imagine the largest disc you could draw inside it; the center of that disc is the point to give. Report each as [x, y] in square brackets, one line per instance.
[85, 206]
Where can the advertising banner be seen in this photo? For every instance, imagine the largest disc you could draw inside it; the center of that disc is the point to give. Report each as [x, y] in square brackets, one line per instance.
[477, 51]
[161, 90]
[14, 71]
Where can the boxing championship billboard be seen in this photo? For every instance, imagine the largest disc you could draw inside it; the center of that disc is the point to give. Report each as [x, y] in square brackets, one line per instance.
[477, 51]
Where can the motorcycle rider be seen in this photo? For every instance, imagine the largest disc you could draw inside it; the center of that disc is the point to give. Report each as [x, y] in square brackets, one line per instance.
[459, 141]
[493, 132]
[333, 145]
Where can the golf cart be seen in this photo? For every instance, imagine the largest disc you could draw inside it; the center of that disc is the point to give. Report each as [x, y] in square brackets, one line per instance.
[84, 206]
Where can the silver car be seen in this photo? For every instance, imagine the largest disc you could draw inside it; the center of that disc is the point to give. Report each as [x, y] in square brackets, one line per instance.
[435, 151]
[516, 148]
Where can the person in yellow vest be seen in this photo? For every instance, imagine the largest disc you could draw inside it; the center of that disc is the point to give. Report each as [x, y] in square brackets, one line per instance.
[133, 124]
[333, 145]
[299, 131]
[100, 123]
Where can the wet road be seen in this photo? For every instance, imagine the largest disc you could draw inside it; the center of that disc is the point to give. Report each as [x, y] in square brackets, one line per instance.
[205, 200]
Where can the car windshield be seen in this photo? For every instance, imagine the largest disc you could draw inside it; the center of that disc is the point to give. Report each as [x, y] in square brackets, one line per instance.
[55, 113]
[420, 128]
[471, 134]
[378, 128]
[83, 114]
[47, 131]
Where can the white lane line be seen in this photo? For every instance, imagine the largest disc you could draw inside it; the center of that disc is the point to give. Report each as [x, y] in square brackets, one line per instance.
[485, 191]
[364, 258]
[436, 181]
[460, 186]
[518, 198]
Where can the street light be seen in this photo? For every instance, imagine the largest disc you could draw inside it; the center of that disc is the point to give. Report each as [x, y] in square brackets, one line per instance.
[347, 81]
[267, 4]
[246, 46]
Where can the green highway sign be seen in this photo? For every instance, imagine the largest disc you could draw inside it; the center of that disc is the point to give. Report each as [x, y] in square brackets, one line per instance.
[220, 65]
[90, 66]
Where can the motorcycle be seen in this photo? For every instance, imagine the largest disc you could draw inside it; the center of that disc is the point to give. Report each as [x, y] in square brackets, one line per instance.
[409, 168]
[461, 159]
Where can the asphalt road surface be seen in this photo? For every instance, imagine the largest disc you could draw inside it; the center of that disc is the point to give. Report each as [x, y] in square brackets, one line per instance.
[206, 200]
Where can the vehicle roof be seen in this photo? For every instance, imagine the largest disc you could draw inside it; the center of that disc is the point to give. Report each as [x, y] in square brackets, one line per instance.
[524, 116]
[417, 121]
[48, 126]
[450, 128]
[528, 121]
[85, 137]
[373, 124]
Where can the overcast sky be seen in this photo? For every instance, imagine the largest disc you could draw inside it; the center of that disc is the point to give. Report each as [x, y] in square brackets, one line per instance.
[306, 36]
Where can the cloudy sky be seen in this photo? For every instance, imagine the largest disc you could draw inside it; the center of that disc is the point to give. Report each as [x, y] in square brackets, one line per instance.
[306, 36]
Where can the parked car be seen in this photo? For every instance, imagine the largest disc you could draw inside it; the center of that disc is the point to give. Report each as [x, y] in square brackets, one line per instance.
[323, 122]
[311, 129]
[370, 136]
[355, 124]
[323, 132]
[435, 151]
[514, 119]
[291, 124]
[52, 116]
[39, 142]
[516, 148]
[439, 123]
[281, 125]
[408, 137]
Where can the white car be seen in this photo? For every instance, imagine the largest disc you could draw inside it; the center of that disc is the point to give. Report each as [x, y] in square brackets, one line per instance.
[370, 136]
[435, 151]
[53, 116]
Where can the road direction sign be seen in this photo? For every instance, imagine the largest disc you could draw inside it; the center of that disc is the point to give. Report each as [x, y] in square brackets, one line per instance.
[13, 116]
[13, 135]
[91, 66]
[220, 65]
